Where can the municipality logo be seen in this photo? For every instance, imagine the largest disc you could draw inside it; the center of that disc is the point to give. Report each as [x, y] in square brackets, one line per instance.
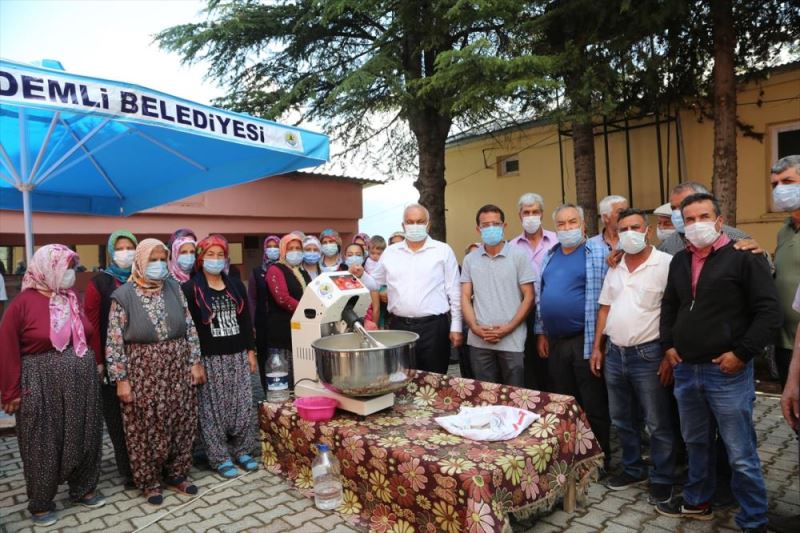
[291, 139]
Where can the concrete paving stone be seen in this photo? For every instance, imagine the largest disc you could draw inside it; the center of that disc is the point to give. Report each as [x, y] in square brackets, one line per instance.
[301, 517]
[275, 526]
[86, 516]
[613, 527]
[595, 517]
[301, 503]
[541, 527]
[558, 518]
[252, 508]
[329, 521]
[611, 503]
[224, 494]
[581, 528]
[629, 519]
[281, 497]
[267, 514]
[344, 528]
[216, 522]
[173, 523]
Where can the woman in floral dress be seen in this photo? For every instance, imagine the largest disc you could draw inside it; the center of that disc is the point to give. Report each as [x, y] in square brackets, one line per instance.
[153, 355]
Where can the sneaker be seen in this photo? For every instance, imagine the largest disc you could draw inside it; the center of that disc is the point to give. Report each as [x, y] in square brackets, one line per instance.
[44, 520]
[677, 508]
[659, 493]
[622, 481]
[91, 502]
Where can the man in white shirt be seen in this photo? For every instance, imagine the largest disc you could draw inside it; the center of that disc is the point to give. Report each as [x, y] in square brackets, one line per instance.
[635, 369]
[423, 288]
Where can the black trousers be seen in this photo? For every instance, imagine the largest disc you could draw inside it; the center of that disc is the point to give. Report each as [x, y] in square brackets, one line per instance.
[569, 374]
[536, 377]
[112, 414]
[433, 347]
[782, 358]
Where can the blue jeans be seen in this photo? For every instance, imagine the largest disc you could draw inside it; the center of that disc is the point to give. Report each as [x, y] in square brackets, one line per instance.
[633, 385]
[705, 394]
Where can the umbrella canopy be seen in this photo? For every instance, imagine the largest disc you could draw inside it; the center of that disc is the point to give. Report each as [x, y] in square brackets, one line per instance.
[76, 144]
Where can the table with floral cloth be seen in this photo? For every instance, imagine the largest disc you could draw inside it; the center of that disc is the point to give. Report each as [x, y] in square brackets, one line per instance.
[404, 473]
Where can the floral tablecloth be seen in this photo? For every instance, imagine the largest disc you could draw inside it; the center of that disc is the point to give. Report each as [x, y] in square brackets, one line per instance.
[403, 473]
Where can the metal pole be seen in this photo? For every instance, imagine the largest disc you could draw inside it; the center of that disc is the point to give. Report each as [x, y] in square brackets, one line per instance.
[561, 165]
[28, 222]
[605, 143]
[628, 162]
[679, 145]
[669, 144]
[660, 159]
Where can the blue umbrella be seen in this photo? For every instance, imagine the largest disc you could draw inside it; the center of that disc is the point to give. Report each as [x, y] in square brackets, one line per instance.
[76, 144]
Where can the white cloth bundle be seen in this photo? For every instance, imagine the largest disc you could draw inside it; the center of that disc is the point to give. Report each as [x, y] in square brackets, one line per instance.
[489, 422]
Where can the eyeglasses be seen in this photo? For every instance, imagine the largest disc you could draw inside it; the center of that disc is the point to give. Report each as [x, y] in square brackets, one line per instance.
[491, 225]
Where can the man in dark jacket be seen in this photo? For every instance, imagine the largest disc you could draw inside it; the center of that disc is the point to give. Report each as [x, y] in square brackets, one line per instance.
[719, 311]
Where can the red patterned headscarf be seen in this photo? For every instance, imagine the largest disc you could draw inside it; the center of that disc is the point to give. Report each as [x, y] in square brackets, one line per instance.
[202, 292]
[45, 273]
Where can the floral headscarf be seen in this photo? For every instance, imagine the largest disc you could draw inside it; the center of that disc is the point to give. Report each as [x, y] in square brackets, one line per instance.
[202, 292]
[310, 239]
[45, 271]
[174, 268]
[182, 232]
[122, 274]
[140, 260]
[284, 248]
[265, 260]
[363, 236]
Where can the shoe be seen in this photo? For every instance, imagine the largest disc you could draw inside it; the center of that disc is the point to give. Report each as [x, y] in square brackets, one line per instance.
[247, 463]
[622, 481]
[91, 502]
[659, 493]
[154, 496]
[182, 485]
[784, 524]
[677, 508]
[227, 470]
[44, 520]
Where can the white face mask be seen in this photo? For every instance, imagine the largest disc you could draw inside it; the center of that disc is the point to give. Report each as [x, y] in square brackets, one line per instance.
[531, 224]
[124, 258]
[663, 234]
[632, 242]
[416, 232]
[68, 280]
[702, 234]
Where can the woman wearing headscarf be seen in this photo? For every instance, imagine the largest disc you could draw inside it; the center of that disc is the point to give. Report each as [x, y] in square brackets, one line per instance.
[178, 233]
[219, 308]
[153, 355]
[182, 258]
[362, 239]
[121, 250]
[331, 250]
[286, 281]
[311, 256]
[257, 300]
[49, 379]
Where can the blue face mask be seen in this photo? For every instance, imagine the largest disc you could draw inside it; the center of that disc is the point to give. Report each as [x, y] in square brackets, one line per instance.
[213, 266]
[354, 260]
[492, 235]
[273, 254]
[294, 257]
[570, 238]
[677, 220]
[156, 270]
[786, 197]
[186, 262]
[311, 258]
[330, 249]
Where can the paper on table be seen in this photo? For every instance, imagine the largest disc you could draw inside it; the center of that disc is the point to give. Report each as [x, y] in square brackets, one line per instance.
[490, 422]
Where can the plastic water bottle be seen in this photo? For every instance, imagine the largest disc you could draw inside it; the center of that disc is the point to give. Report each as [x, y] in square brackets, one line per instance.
[327, 479]
[277, 377]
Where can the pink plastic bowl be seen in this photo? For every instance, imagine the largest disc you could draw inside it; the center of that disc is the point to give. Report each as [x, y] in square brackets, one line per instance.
[316, 408]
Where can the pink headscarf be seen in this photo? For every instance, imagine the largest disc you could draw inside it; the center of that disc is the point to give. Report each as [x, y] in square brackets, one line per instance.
[45, 272]
[174, 268]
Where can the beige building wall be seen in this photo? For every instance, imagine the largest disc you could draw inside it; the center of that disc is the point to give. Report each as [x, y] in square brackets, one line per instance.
[473, 179]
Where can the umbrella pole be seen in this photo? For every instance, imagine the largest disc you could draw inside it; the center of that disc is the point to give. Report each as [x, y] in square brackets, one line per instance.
[28, 223]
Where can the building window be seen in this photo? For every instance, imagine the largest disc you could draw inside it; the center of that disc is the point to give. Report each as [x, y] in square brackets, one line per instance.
[784, 140]
[508, 166]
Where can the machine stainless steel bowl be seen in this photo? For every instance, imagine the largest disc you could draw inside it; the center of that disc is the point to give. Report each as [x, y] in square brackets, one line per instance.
[344, 367]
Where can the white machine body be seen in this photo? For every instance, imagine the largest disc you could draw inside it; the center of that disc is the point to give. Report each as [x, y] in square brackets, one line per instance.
[319, 314]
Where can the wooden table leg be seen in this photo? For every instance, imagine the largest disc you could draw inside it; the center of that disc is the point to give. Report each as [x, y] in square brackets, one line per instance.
[570, 494]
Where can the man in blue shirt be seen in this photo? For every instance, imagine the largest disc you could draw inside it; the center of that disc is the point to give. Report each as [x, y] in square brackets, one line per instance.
[566, 313]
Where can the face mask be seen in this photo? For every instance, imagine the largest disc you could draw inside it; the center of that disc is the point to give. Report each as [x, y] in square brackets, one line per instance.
[702, 234]
[186, 261]
[213, 266]
[416, 232]
[124, 258]
[273, 254]
[492, 236]
[68, 279]
[664, 234]
[632, 242]
[570, 238]
[330, 249]
[786, 197]
[295, 257]
[354, 260]
[311, 258]
[532, 223]
[677, 220]
[156, 270]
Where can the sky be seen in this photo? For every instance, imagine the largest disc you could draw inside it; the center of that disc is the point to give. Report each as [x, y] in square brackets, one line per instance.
[113, 39]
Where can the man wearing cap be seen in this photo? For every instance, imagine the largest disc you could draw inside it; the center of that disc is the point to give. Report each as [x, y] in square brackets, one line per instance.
[664, 226]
